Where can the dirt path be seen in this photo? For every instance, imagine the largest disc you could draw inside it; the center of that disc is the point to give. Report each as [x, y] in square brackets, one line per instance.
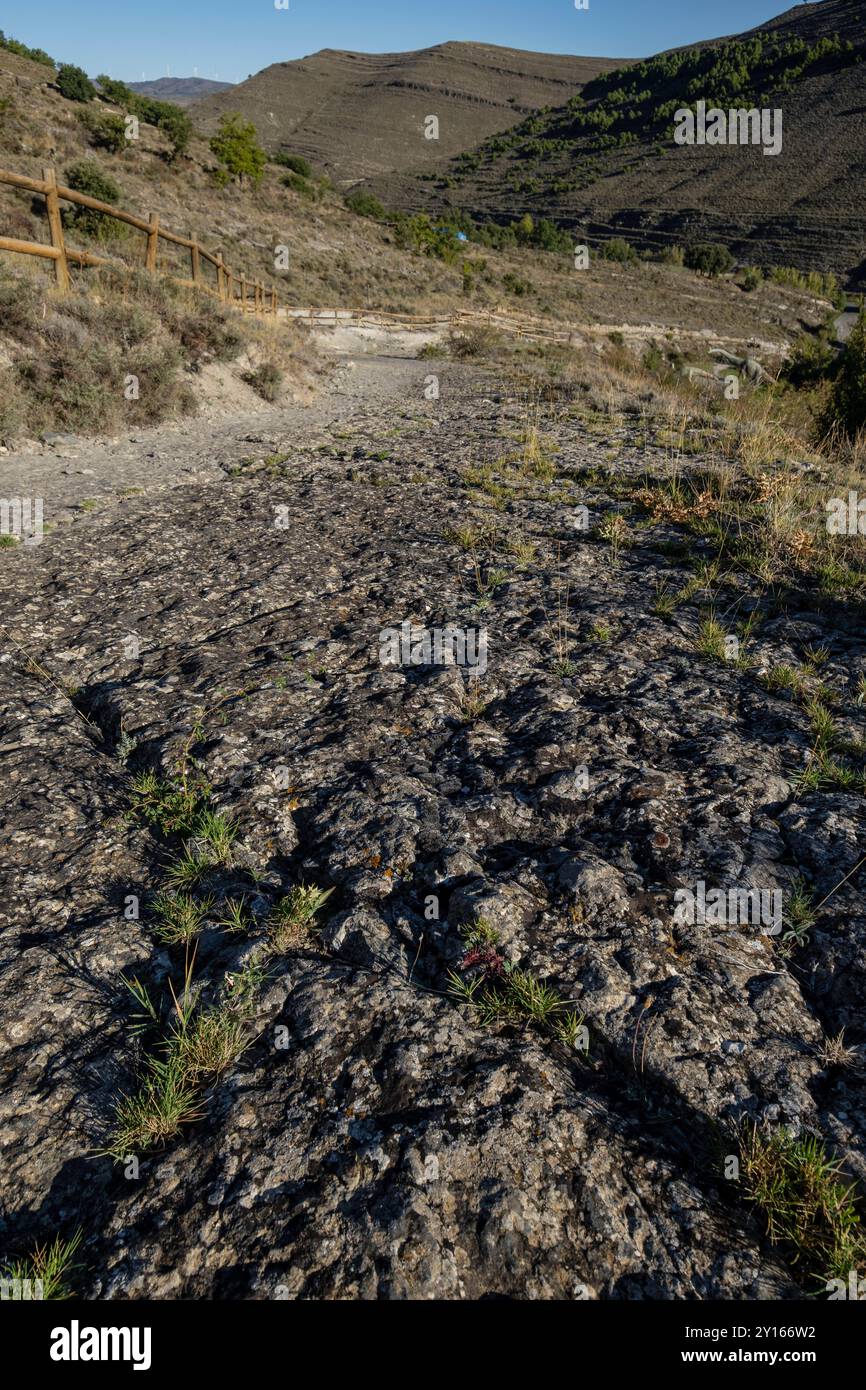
[74, 479]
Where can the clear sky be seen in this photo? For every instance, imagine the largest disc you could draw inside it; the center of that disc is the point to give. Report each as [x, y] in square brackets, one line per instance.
[233, 38]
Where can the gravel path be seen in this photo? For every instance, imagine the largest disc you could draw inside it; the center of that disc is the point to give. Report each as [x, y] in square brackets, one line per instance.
[67, 475]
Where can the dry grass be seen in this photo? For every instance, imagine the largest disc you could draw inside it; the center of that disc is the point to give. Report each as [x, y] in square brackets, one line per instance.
[834, 1051]
[751, 476]
[123, 352]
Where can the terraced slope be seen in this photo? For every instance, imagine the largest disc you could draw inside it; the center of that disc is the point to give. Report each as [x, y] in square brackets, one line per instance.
[606, 162]
[357, 115]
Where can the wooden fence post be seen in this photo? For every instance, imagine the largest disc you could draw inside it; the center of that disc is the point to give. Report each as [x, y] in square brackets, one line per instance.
[273, 301]
[230, 286]
[196, 260]
[258, 297]
[243, 294]
[221, 277]
[152, 242]
[55, 224]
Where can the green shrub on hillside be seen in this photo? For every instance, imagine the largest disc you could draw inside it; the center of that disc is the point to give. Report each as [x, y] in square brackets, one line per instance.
[237, 148]
[709, 259]
[514, 285]
[172, 120]
[106, 132]
[365, 205]
[295, 162]
[544, 234]
[617, 249]
[175, 123]
[418, 234]
[87, 177]
[752, 278]
[495, 236]
[116, 92]
[298, 184]
[524, 229]
[74, 84]
[817, 282]
[549, 237]
[811, 360]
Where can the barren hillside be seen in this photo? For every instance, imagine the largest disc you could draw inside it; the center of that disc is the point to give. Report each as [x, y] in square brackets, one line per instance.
[362, 114]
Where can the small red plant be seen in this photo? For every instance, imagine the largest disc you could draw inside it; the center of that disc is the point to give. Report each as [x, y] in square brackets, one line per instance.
[486, 958]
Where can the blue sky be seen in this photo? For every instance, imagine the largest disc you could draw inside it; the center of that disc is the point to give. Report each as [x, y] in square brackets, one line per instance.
[233, 38]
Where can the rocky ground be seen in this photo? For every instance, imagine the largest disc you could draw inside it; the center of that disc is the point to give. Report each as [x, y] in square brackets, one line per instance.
[375, 1139]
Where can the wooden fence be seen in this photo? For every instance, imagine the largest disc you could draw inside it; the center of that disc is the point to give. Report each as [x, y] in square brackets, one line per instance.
[231, 288]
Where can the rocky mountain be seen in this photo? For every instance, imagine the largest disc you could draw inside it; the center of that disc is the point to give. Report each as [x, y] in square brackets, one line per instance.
[358, 115]
[183, 91]
[606, 160]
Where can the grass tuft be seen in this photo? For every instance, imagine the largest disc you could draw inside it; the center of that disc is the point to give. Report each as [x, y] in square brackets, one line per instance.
[800, 915]
[180, 916]
[167, 1100]
[49, 1266]
[805, 1203]
[183, 808]
[212, 1043]
[499, 992]
[292, 919]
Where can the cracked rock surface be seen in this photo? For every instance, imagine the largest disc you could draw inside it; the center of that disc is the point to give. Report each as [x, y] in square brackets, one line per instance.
[388, 1145]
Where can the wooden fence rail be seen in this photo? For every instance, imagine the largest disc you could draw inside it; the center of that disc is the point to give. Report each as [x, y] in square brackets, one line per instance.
[264, 300]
